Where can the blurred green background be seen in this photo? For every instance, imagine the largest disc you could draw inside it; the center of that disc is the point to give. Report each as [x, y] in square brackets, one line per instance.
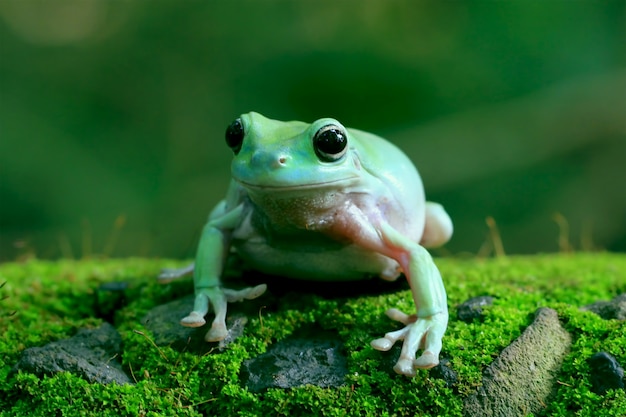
[112, 114]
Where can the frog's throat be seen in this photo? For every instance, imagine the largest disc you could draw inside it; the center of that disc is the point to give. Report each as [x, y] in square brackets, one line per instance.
[297, 187]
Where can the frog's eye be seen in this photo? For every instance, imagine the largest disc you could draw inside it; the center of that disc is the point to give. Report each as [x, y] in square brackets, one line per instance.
[330, 143]
[234, 135]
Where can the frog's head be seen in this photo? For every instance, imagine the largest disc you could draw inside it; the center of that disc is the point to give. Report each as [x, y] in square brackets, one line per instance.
[291, 157]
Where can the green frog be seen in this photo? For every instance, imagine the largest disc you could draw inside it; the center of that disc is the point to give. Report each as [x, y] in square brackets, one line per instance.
[320, 201]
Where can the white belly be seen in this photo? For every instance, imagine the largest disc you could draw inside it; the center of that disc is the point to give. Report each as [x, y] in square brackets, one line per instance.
[334, 262]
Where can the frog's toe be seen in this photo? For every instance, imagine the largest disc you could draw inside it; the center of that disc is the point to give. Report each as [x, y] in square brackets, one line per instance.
[397, 315]
[431, 343]
[426, 361]
[391, 272]
[404, 366]
[382, 344]
[166, 276]
[218, 332]
[194, 319]
[170, 274]
[249, 293]
[385, 343]
[257, 291]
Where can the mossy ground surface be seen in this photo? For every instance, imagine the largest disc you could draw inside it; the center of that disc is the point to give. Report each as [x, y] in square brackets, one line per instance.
[46, 301]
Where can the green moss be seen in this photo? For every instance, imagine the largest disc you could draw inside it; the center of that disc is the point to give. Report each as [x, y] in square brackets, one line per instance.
[47, 301]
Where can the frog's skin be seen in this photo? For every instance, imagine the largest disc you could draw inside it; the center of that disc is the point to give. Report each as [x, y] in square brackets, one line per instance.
[322, 202]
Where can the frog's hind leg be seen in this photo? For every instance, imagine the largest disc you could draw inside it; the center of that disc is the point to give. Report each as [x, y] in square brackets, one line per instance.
[438, 227]
[171, 274]
[391, 271]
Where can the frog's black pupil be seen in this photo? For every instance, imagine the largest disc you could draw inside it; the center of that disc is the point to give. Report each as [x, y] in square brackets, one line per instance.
[234, 135]
[330, 142]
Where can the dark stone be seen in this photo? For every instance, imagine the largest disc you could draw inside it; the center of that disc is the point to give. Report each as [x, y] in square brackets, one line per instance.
[109, 298]
[164, 323]
[444, 371]
[91, 354]
[606, 373]
[472, 308]
[313, 357]
[520, 381]
[614, 309]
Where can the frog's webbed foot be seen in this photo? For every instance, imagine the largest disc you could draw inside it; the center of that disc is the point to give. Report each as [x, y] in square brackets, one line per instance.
[218, 297]
[171, 274]
[419, 333]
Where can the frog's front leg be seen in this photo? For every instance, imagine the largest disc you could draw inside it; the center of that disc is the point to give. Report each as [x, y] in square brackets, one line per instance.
[424, 329]
[210, 257]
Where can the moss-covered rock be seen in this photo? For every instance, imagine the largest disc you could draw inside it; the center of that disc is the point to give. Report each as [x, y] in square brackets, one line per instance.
[521, 379]
[43, 302]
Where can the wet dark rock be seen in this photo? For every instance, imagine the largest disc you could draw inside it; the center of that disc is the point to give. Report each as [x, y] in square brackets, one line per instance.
[606, 373]
[608, 310]
[164, 323]
[444, 371]
[312, 357]
[521, 379]
[91, 354]
[472, 308]
[109, 298]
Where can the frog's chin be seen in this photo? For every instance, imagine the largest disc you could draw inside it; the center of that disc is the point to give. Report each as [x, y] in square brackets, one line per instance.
[298, 188]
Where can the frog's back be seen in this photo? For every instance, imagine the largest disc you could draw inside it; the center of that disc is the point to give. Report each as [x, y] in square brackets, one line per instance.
[384, 160]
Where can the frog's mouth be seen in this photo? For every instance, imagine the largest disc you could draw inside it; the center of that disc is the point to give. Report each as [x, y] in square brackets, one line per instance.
[297, 187]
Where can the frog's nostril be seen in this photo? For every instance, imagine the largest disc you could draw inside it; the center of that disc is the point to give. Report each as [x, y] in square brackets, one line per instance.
[281, 161]
[278, 161]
